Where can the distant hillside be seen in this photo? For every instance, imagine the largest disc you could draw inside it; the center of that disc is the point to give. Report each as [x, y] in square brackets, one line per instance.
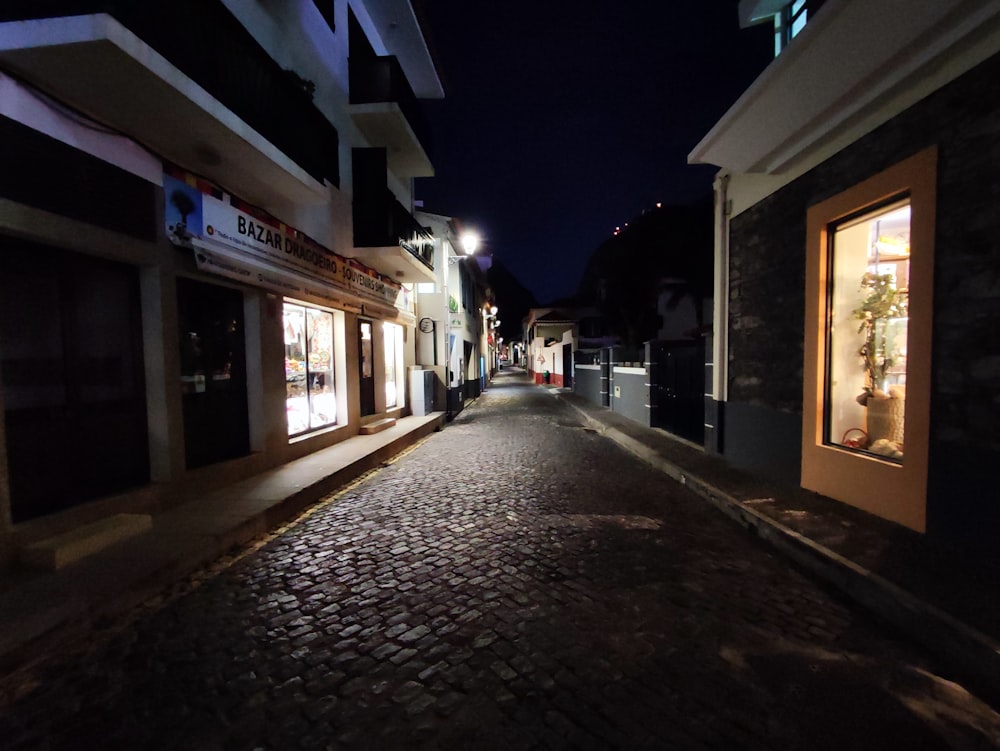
[513, 299]
[625, 274]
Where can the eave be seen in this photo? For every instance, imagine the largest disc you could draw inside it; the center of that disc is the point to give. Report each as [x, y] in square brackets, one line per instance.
[97, 66]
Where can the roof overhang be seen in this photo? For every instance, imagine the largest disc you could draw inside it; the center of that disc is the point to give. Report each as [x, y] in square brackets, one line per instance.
[384, 123]
[99, 67]
[855, 66]
[756, 11]
[401, 35]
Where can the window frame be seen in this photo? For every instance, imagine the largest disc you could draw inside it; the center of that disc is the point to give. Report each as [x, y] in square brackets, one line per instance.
[894, 491]
[309, 373]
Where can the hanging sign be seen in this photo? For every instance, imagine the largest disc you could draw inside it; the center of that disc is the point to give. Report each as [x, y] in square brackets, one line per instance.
[241, 241]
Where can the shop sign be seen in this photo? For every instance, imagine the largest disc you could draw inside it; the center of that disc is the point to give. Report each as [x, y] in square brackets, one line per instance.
[243, 242]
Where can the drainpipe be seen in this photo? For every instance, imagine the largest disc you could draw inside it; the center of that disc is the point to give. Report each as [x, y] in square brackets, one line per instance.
[720, 310]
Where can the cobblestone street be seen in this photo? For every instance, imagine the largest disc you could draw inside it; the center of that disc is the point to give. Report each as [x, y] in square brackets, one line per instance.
[515, 581]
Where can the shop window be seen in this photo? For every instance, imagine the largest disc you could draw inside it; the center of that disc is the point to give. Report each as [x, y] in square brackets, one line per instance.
[867, 346]
[868, 317]
[309, 374]
[393, 343]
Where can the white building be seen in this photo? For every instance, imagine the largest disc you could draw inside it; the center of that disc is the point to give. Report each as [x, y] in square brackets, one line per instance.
[207, 248]
[452, 339]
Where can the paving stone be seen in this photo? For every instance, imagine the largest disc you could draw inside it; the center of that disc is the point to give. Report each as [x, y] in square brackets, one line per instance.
[509, 583]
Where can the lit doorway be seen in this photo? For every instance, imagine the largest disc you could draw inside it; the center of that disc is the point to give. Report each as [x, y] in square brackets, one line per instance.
[366, 368]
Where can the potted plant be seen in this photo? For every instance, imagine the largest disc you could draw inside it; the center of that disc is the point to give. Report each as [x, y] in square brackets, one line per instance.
[882, 302]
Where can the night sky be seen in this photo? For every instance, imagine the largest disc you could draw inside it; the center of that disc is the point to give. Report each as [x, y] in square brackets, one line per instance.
[564, 120]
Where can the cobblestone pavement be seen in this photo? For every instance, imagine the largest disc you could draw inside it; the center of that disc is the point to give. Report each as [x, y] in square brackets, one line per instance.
[513, 582]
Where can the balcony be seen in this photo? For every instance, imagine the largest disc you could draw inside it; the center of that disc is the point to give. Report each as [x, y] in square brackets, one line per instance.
[385, 109]
[386, 236]
[184, 78]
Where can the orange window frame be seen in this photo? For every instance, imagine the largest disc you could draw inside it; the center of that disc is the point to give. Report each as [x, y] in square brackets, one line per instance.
[894, 491]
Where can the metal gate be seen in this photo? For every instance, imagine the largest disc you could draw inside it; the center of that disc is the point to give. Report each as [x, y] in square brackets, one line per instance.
[678, 388]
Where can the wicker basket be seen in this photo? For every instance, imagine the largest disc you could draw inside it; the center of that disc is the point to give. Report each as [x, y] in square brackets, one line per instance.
[885, 419]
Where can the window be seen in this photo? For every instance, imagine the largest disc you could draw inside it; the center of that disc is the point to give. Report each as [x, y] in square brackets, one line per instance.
[311, 401]
[788, 23]
[392, 337]
[868, 317]
[867, 345]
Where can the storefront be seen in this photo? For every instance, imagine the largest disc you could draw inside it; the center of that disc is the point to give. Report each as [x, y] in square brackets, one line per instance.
[331, 311]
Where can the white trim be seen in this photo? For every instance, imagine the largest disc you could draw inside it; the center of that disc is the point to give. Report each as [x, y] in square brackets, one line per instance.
[630, 371]
[90, 40]
[889, 54]
[720, 303]
[27, 105]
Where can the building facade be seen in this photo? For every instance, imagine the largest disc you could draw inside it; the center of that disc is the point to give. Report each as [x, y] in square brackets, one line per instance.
[207, 247]
[452, 339]
[857, 267]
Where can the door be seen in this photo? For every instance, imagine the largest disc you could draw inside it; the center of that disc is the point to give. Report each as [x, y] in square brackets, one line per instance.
[567, 363]
[72, 369]
[213, 373]
[366, 368]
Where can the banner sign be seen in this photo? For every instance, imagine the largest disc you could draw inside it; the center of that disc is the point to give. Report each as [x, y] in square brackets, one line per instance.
[243, 242]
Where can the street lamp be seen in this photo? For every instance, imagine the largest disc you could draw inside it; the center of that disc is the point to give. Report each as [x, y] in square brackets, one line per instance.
[469, 242]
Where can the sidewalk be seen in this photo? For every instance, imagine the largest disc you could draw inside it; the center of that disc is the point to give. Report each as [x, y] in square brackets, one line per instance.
[34, 605]
[941, 597]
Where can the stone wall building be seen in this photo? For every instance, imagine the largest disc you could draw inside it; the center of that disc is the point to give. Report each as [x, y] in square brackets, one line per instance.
[857, 263]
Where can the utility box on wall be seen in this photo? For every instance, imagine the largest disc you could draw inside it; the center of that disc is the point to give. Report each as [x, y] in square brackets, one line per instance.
[421, 392]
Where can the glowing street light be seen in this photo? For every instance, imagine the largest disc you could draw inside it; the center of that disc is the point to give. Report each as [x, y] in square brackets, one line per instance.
[469, 242]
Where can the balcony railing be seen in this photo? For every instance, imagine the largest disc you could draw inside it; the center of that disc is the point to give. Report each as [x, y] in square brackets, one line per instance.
[381, 79]
[381, 221]
[410, 236]
[210, 46]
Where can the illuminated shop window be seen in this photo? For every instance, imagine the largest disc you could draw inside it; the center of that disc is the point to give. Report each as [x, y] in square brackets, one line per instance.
[868, 317]
[393, 341]
[311, 398]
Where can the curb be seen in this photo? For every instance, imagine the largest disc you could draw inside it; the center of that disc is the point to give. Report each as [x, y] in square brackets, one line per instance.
[970, 653]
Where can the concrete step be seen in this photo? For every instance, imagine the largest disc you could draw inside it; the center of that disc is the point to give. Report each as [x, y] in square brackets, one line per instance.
[378, 426]
[55, 552]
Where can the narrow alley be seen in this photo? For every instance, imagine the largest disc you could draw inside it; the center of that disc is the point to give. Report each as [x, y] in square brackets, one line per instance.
[515, 581]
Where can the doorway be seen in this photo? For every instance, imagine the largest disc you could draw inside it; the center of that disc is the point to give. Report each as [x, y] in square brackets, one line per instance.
[72, 368]
[366, 368]
[567, 365]
[213, 373]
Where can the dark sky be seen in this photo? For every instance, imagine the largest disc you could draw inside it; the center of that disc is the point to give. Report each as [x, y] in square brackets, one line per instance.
[564, 119]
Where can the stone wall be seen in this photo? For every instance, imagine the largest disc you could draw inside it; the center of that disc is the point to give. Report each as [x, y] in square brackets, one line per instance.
[767, 272]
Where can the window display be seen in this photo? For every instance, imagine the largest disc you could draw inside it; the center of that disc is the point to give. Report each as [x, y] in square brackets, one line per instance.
[393, 342]
[868, 321]
[311, 401]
